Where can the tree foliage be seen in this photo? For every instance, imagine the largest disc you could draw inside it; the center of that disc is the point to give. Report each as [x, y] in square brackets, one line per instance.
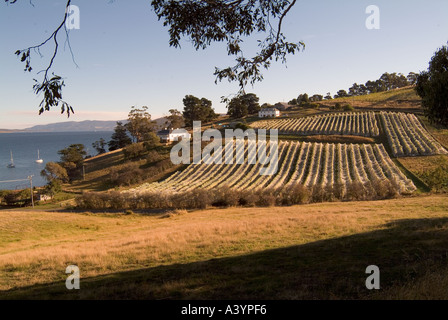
[252, 102]
[72, 159]
[100, 146]
[303, 98]
[120, 138]
[341, 94]
[75, 153]
[202, 23]
[205, 22]
[54, 171]
[196, 109]
[243, 105]
[139, 123]
[176, 119]
[432, 87]
[236, 108]
[51, 88]
[151, 141]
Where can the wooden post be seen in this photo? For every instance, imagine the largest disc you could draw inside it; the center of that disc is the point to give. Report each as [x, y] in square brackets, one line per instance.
[31, 190]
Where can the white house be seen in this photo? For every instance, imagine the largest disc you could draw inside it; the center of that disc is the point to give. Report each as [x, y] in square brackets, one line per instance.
[268, 112]
[170, 135]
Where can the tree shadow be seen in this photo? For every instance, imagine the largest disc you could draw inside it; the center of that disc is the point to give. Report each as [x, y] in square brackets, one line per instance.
[404, 251]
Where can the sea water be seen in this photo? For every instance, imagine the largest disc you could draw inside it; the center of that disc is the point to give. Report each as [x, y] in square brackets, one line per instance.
[24, 146]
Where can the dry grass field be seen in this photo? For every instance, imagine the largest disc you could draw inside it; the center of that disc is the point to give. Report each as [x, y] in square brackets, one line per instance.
[317, 251]
[313, 251]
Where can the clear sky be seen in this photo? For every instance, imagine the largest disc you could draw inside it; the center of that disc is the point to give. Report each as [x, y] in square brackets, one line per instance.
[124, 58]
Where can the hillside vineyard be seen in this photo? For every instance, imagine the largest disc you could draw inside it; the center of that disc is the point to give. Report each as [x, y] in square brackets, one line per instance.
[407, 137]
[309, 164]
[352, 123]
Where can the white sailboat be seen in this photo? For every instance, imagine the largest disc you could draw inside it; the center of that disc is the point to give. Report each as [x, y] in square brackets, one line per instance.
[11, 164]
[39, 160]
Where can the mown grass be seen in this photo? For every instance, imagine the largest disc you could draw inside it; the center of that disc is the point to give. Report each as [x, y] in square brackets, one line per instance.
[317, 251]
[437, 131]
[432, 170]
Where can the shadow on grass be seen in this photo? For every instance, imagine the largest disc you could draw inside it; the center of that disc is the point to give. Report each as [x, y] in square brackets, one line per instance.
[404, 250]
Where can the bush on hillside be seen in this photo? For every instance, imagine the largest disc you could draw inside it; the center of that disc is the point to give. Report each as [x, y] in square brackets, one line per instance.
[133, 151]
[227, 197]
[348, 107]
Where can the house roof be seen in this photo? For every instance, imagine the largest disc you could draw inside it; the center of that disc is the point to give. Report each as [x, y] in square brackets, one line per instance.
[164, 132]
[269, 109]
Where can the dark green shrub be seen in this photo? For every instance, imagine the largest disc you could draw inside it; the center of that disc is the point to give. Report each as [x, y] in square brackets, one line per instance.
[266, 199]
[126, 175]
[133, 151]
[348, 107]
[225, 197]
[295, 194]
[248, 198]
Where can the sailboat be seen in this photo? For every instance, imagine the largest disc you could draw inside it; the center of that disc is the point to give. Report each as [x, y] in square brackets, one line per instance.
[11, 164]
[39, 160]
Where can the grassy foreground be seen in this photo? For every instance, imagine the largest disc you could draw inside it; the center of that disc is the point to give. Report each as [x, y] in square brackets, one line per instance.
[317, 251]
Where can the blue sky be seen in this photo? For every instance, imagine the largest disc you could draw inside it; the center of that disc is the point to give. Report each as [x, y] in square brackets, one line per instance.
[124, 58]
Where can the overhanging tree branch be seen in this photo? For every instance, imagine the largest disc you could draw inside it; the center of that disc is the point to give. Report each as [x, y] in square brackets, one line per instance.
[51, 88]
[202, 22]
[210, 21]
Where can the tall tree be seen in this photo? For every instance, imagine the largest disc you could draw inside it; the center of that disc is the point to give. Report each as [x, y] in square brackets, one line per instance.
[412, 78]
[303, 98]
[243, 105]
[341, 94]
[354, 90]
[139, 123]
[316, 97]
[372, 86]
[120, 138]
[201, 22]
[54, 171]
[363, 89]
[75, 153]
[176, 119]
[72, 159]
[236, 108]
[100, 146]
[432, 87]
[196, 109]
[252, 102]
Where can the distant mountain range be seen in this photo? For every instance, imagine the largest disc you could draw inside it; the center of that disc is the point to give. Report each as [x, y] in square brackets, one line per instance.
[74, 126]
[79, 126]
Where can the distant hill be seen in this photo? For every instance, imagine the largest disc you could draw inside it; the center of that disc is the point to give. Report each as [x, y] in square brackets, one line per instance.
[83, 126]
[74, 126]
[8, 131]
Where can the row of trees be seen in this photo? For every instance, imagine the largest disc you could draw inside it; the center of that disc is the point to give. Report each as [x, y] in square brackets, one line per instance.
[304, 99]
[139, 126]
[387, 81]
